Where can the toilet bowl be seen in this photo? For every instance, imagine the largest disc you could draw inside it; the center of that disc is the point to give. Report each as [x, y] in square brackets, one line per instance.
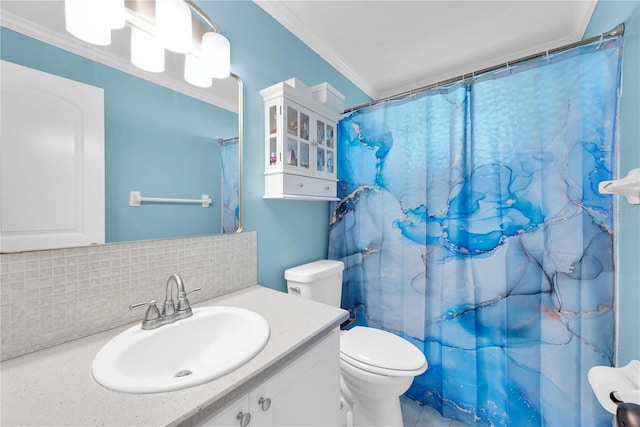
[376, 366]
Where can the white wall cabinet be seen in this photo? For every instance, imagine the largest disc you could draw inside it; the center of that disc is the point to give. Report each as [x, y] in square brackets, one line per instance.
[52, 158]
[300, 140]
[305, 393]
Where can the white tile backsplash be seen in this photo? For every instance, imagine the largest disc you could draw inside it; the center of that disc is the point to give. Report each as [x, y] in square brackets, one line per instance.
[54, 296]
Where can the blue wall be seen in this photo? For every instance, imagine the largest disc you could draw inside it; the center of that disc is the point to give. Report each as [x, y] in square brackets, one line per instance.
[150, 119]
[157, 141]
[606, 16]
[289, 232]
[264, 53]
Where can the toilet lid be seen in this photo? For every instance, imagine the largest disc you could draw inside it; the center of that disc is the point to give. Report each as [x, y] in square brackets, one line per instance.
[382, 349]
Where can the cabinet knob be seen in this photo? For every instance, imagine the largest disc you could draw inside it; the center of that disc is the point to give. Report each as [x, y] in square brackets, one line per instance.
[327, 188]
[265, 404]
[244, 419]
[301, 184]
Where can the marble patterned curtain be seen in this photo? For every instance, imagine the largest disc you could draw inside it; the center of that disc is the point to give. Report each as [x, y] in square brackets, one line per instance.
[229, 162]
[470, 224]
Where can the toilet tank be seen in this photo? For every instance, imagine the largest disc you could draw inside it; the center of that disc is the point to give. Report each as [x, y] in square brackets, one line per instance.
[320, 281]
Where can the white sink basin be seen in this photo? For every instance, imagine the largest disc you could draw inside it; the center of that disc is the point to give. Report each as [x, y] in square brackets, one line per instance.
[189, 352]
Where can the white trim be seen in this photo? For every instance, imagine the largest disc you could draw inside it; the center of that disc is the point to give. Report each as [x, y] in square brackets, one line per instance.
[279, 11]
[70, 44]
[583, 19]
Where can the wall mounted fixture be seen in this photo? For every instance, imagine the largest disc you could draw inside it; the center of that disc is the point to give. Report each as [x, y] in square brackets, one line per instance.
[629, 187]
[175, 25]
[135, 199]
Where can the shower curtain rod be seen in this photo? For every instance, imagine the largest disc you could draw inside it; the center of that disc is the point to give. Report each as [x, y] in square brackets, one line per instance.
[617, 31]
[226, 141]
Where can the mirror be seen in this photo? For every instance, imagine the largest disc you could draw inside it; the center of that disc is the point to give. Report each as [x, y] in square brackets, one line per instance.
[163, 137]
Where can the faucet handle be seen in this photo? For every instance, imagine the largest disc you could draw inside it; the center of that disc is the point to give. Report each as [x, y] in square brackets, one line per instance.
[183, 302]
[152, 311]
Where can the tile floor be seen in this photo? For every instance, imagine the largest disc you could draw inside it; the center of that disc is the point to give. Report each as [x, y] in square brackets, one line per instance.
[415, 415]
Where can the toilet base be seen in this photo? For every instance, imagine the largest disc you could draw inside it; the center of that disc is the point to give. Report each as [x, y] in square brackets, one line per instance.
[373, 403]
[372, 413]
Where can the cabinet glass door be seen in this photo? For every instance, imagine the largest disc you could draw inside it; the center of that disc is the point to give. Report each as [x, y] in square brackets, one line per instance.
[330, 137]
[330, 162]
[320, 141]
[330, 150]
[320, 161]
[291, 147]
[325, 148]
[304, 140]
[273, 135]
[298, 144]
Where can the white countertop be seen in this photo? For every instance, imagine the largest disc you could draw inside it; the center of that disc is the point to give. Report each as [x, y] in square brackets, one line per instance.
[54, 386]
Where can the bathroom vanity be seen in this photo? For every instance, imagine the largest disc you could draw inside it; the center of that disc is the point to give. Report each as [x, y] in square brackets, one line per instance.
[302, 394]
[294, 380]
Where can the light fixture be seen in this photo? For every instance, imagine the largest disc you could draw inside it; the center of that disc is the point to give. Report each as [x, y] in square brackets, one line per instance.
[114, 10]
[146, 51]
[176, 25]
[216, 52]
[93, 20]
[195, 71]
[173, 24]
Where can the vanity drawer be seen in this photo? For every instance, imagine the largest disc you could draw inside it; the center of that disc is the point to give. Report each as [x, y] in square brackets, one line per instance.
[296, 184]
[298, 187]
[324, 188]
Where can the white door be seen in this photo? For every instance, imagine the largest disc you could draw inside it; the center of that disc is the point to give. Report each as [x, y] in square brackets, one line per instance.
[52, 161]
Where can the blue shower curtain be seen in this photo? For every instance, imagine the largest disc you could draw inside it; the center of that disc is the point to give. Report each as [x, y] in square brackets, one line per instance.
[229, 162]
[470, 223]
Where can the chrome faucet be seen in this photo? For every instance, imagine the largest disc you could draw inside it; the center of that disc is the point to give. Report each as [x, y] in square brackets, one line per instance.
[153, 319]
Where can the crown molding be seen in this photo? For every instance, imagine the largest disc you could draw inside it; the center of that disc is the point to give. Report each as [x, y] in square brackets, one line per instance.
[583, 18]
[71, 44]
[281, 13]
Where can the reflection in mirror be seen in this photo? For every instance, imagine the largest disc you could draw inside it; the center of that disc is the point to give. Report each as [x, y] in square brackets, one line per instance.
[162, 135]
[230, 163]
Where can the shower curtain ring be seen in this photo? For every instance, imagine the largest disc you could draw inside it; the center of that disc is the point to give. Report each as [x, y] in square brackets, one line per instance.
[601, 40]
[548, 57]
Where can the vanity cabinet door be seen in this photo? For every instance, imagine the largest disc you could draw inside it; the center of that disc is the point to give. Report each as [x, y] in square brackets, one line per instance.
[306, 393]
[233, 415]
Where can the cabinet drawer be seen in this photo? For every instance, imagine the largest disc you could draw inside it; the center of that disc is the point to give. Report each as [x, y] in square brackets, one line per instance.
[324, 188]
[296, 184]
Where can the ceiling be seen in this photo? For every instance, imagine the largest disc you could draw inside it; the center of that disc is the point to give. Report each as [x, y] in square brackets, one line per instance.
[389, 47]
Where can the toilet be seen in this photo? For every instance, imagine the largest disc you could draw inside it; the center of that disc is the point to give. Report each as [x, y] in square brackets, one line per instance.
[376, 367]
